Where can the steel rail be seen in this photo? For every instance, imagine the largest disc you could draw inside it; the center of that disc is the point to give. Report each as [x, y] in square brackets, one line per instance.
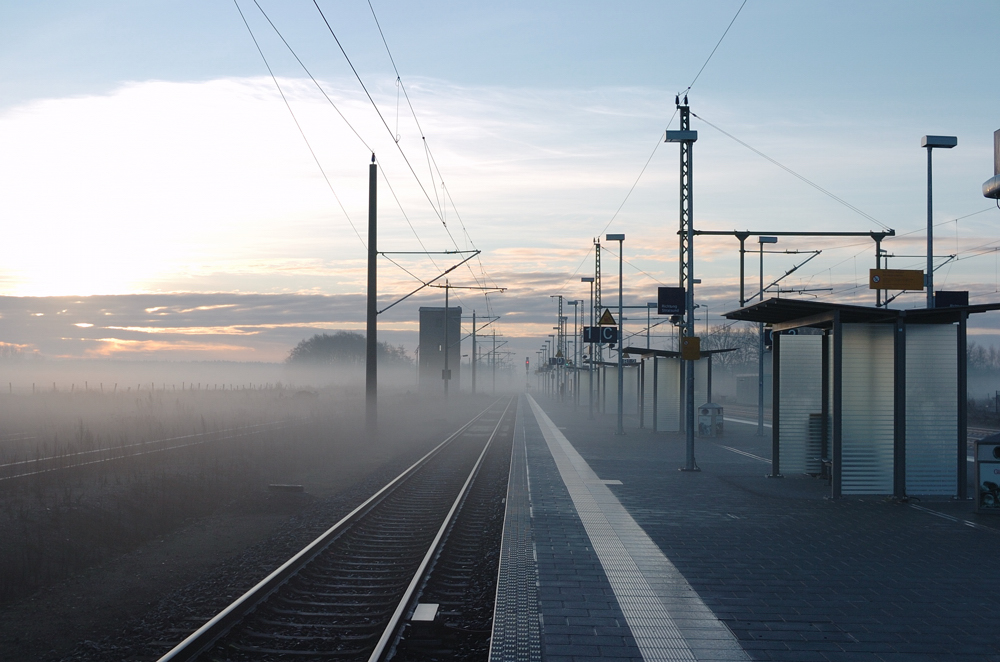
[432, 551]
[208, 634]
[114, 453]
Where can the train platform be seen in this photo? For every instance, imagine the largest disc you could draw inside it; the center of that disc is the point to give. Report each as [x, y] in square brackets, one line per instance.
[611, 552]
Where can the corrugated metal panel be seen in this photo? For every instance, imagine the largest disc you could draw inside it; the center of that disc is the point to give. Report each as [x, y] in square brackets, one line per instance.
[867, 460]
[668, 393]
[801, 369]
[931, 408]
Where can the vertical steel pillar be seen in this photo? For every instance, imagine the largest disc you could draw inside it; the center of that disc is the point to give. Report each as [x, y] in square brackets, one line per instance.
[930, 234]
[597, 294]
[742, 236]
[775, 406]
[825, 408]
[760, 359]
[371, 329]
[446, 373]
[963, 405]
[878, 265]
[590, 363]
[838, 407]
[473, 352]
[621, 340]
[686, 273]
[899, 409]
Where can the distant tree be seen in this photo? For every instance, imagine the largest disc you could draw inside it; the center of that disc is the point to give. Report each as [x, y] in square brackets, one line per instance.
[727, 336]
[982, 358]
[343, 347]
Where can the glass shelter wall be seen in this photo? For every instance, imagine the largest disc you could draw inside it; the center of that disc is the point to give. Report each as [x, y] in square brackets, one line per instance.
[668, 394]
[868, 398]
[931, 408]
[801, 404]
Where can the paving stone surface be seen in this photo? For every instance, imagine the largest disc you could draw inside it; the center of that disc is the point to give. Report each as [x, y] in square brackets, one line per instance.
[581, 619]
[794, 575]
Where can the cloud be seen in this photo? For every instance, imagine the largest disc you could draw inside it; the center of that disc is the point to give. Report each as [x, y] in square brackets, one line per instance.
[169, 210]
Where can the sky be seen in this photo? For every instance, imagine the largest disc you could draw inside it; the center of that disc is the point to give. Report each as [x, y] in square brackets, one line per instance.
[162, 196]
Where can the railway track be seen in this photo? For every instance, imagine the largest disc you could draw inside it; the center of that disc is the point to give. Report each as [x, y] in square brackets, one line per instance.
[48, 464]
[346, 595]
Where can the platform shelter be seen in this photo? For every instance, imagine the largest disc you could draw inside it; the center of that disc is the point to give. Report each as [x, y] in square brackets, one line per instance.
[878, 399]
[661, 386]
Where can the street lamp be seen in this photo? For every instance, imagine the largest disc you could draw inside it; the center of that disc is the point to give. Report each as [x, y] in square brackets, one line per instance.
[620, 238]
[760, 345]
[590, 363]
[930, 142]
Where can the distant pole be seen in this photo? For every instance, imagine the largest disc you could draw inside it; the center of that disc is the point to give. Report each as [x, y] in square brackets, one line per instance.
[371, 358]
[493, 361]
[473, 352]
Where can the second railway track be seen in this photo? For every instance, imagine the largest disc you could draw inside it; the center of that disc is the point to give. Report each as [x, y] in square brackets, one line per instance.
[345, 595]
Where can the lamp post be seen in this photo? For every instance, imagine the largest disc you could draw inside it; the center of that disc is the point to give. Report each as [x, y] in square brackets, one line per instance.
[620, 238]
[590, 363]
[930, 142]
[575, 303]
[760, 345]
[552, 354]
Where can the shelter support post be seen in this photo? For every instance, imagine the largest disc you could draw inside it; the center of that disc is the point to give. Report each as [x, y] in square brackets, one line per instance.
[655, 394]
[963, 404]
[825, 406]
[899, 409]
[708, 385]
[775, 405]
[838, 407]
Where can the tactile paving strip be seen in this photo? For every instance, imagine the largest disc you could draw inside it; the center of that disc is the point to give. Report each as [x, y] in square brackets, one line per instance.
[516, 636]
[667, 618]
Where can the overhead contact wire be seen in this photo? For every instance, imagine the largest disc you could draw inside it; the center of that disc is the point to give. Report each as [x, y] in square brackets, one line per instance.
[299, 126]
[384, 123]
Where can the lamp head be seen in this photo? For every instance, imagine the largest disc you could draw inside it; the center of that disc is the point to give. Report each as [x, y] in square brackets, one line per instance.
[941, 142]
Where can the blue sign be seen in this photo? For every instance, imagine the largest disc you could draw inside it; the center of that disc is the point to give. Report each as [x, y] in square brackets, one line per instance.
[670, 301]
[600, 334]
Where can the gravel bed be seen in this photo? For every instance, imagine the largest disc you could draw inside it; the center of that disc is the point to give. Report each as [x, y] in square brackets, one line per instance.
[151, 635]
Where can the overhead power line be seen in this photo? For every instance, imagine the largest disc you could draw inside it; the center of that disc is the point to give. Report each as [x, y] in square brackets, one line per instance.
[795, 174]
[299, 126]
[719, 43]
[420, 183]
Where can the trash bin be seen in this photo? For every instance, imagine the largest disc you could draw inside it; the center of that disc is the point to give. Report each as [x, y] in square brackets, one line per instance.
[988, 475]
[710, 420]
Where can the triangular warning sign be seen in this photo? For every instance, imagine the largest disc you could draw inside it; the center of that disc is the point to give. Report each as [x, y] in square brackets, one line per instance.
[607, 319]
[559, 354]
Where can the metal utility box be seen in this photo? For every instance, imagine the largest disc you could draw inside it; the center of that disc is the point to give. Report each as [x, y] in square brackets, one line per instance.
[710, 420]
[988, 475]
